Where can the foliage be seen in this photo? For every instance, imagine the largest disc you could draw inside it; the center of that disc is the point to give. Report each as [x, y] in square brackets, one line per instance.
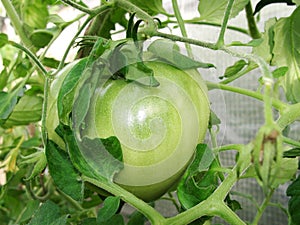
[47, 178]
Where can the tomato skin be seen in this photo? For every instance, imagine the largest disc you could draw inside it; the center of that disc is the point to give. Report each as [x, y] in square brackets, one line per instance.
[158, 127]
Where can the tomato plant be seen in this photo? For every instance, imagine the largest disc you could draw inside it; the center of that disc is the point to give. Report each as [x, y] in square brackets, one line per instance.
[126, 114]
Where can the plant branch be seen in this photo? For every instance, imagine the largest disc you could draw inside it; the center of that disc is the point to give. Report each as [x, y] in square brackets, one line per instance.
[182, 27]
[16, 22]
[154, 216]
[262, 207]
[220, 41]
[253, 30]
[280, 106]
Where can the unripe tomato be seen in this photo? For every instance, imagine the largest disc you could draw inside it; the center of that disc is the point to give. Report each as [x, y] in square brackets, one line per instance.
[158, 127]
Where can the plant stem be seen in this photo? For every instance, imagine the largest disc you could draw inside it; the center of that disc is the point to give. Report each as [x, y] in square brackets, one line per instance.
[262, 208]
[185, 40]
[154, 216]
[239, 74]
[291, 141]
[220, 41]
[280, 106]
[78, 6]
[253, 30]
[31, 55]
[182, 26]
[16, 22]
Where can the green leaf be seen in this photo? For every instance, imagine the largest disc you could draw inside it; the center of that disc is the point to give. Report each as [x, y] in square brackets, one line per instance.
[8, 101]
[67, 91]
[31, 207]
[280, 72]
[297, 2]
[27, 110]
[294, 203]
[295, 152]
[200, 180]
[48, 214]
[234, 69]
[64, 174]
[213, 119]
[109, 209]
[137, 218]
[214, 10]
[34, 13]
[152, 7]
[3, 39]
[40, 38]
[168, 51]
[287, 53]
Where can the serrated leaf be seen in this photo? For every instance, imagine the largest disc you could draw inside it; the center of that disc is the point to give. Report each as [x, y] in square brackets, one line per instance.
[287, 53]
[109, 209]
[200, 179]
[168, 51]
[48, 214]
[65, 176]
[214, 10]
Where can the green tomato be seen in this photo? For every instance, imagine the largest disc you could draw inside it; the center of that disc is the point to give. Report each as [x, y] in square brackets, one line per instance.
[158, 127]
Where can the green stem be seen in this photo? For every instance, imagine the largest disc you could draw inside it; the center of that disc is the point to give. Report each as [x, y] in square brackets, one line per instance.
[193, 21]
[253, 30]
[154, 216]
[78, 6]
[16, 22]
[185, 40]
[280, 106]
[291, 141]
[31, 55]
[262, 208]
[182, 27]
[220, 41]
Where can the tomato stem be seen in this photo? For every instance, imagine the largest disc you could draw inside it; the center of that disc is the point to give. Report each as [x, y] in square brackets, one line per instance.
[154, 216]
[220, 41]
